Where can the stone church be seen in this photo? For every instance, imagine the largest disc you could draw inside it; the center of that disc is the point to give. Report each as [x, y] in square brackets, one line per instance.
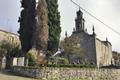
[95, 51]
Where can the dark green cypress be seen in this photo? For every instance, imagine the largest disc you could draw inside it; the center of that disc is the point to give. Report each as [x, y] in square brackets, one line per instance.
[54, 25]
[27, 24]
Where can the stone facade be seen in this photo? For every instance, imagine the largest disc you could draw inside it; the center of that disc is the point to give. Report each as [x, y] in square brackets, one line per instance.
[95, 51]
[87, 45]
[68, 73]
[10, 37]
[103, 53]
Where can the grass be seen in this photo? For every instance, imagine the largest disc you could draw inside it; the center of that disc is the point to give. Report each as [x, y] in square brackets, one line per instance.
[66, 79]
[12, 77]
[5, 76]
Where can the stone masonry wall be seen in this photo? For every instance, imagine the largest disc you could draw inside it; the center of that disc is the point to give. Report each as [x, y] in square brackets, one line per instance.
[8, 36]
[87, 46]
[63, 73]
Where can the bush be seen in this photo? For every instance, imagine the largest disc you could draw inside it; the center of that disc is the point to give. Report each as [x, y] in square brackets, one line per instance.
[31, 58]
[71, 65]
[62, 61]
[111, 67]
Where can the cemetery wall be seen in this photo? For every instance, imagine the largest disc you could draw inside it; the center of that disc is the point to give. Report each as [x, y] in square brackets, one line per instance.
[63, 73]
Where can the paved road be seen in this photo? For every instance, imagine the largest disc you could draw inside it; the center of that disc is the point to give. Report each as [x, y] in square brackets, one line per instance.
[4, 76]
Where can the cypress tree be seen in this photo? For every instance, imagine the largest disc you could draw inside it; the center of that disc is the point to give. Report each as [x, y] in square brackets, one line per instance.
[41, 30]
[54, 25]
[27, 24]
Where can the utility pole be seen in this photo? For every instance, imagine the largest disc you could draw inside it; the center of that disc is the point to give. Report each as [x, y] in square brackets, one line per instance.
[7, 23]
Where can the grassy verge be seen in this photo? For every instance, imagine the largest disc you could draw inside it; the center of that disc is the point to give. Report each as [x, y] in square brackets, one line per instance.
[73, 78]
[71, 65]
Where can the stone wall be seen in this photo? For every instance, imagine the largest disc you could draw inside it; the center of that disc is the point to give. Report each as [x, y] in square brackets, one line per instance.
[94, 50]
[68, 73]
[88, 47]
[8, 36]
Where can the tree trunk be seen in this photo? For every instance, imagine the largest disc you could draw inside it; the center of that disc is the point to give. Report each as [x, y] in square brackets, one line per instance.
[26, 60]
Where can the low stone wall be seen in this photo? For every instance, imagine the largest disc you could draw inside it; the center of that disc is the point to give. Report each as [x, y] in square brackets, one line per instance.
[63, 73]
[26, 71]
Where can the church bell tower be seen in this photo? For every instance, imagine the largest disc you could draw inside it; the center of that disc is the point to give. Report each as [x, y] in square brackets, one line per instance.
[79, 21]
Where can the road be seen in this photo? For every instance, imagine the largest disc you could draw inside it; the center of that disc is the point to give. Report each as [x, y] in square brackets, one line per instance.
[4, 76]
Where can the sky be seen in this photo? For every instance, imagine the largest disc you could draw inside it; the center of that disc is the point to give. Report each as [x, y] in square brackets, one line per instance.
[106, 10]
[9, 13]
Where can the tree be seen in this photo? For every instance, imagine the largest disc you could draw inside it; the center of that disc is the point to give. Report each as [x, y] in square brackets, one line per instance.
[27, 24]
[32, 57]
[116, 56]
[54, 25]
[71, 46]
[34, 31]
[41, 30]
[9, 49]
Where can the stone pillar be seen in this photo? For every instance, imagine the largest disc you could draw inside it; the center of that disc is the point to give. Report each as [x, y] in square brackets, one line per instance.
[3, 62]
[14, 61]
[20, 61]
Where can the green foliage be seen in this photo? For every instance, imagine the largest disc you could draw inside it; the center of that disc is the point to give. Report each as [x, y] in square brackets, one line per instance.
[68, 78]
[41, 30]
[62, 61]
[71, 65]
[116, 55]
[27, 24]
[72, 50]
[48, 54]
[4, 47]
[16, 51]
[7, 48]
[71, 45]
[35, 33]
[54, 25]
[31, 58]
[10, 50]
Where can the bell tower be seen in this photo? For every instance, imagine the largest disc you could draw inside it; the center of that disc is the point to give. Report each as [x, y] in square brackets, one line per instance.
[79, 21]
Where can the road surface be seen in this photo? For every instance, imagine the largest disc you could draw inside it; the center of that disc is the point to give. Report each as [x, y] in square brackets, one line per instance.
[4, 76]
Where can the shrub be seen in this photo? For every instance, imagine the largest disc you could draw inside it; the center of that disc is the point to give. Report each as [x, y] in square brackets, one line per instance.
[71, 65]
[62, 61]
[31, 58]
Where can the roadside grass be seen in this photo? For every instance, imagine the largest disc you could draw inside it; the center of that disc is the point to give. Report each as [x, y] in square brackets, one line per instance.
[73, 78]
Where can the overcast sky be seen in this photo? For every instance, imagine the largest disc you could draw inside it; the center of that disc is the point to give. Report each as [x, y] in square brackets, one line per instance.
[106, 10]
